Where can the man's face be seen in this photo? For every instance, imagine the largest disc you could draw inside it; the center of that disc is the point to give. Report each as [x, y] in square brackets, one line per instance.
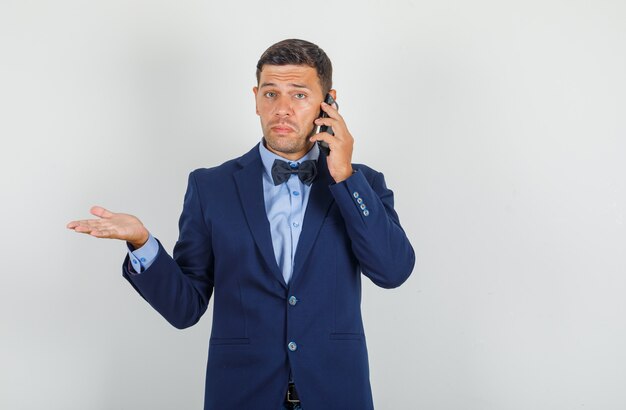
[288, 100]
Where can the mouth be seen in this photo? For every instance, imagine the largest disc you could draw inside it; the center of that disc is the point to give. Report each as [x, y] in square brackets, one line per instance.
[282, 129]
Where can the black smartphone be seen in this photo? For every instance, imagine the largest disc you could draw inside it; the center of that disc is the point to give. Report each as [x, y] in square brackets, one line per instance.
[325, 128]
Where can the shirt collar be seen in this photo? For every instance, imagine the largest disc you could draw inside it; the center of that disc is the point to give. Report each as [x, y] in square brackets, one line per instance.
[268, 157]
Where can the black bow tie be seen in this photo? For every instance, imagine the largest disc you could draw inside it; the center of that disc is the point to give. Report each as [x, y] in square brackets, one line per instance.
[306, 171]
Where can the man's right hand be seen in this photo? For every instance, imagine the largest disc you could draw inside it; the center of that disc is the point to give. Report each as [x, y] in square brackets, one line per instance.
[112, 226]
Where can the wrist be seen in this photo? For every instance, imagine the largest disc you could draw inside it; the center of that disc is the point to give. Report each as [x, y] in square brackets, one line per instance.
[344, 175]
[141, 240]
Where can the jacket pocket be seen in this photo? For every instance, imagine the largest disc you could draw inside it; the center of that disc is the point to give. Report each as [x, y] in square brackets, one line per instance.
[229, 341]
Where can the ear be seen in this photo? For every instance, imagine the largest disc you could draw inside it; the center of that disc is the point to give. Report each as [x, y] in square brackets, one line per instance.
[333, 93]
[255, 90]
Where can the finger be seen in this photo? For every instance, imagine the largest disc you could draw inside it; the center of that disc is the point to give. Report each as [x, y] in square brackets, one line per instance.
[83, 233]
[83, 229]
[327, 121]
[326, 137]
[101, 212]
[338, 127]
[331, 111]
[82, 222]
[88, 225]
[72, 225]
[101, 233]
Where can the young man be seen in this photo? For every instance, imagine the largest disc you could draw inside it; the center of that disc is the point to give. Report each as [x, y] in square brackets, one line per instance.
[280, 237]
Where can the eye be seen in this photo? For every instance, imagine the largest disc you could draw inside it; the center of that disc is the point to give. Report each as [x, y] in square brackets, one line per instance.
[270, 94]
[300, 96]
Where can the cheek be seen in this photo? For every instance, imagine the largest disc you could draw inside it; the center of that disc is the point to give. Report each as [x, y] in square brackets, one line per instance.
[309, 112]
[263, 109]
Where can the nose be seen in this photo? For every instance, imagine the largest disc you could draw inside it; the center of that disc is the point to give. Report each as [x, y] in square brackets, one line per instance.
[283, 106]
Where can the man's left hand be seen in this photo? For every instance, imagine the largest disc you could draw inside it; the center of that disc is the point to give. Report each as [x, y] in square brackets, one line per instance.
[340, 158]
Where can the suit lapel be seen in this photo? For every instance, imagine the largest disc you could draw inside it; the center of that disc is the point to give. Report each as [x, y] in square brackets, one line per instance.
[250, 186]
[320, 200]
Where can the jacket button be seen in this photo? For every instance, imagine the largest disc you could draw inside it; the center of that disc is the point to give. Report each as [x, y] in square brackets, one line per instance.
[293, 300]
[355, 194]
[292, 346]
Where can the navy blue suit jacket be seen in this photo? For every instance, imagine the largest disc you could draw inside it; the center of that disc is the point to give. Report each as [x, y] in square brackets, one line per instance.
[225, 250]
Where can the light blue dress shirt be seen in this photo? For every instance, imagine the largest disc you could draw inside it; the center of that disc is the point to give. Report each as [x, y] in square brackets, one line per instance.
[285, 205]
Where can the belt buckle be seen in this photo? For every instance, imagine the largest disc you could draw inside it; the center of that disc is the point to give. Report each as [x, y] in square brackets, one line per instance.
[292, 395]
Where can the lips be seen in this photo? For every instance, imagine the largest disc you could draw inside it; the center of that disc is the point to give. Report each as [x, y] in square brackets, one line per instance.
[282, 128]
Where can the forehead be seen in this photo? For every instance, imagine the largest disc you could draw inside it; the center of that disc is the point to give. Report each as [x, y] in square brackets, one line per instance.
[289, 74]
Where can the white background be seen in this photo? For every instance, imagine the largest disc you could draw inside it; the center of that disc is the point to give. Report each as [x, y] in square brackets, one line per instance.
[499, 125]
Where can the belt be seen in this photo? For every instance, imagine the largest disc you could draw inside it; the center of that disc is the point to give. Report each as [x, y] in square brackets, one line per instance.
[292, 394]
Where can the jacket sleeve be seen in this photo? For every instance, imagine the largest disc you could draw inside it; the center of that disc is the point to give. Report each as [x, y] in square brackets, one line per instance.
[378, 241]
[180, 288]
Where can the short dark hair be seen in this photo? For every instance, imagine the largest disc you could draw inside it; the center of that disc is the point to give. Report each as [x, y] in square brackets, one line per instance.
[299, 52]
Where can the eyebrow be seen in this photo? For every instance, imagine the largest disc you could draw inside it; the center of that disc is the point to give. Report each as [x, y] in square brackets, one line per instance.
[294, 85]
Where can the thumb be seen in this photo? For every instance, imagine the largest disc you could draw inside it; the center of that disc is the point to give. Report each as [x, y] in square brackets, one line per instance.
[101, 212]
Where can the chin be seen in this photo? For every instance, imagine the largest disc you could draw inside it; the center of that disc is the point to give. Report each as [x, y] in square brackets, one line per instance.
[286, 145]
